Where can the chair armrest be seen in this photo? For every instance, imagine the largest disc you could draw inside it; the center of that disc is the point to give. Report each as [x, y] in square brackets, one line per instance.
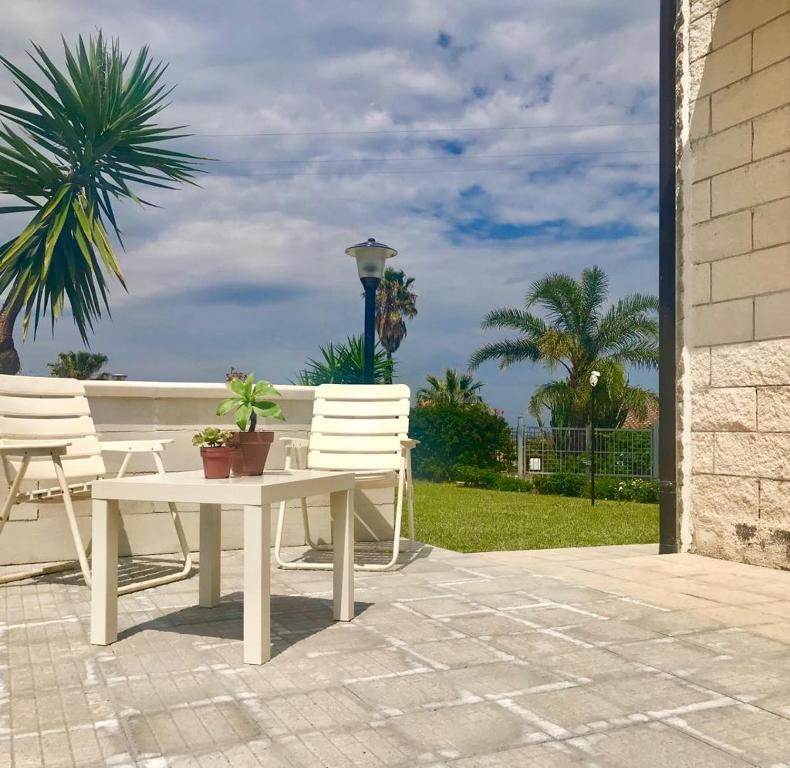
[294, 442]
[408, 444]
[35, 448]
[134, 446]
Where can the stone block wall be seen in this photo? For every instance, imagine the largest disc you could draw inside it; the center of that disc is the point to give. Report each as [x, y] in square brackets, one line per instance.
[734, 244]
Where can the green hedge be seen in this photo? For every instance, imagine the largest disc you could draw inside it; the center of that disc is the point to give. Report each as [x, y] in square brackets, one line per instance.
[453, 436]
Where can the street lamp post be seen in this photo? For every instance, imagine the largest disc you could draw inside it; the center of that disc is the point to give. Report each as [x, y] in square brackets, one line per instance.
[370, 257]
[594, 376]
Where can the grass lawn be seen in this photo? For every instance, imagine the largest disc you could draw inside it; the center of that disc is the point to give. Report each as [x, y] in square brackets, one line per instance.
[474, 520]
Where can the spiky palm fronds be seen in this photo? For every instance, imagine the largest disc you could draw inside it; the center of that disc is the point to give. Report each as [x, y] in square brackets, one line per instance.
[565, 323]
[88, 136]
[453, 389]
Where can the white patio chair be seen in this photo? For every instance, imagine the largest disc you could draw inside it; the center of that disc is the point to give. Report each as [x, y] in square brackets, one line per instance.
[361, 429]
[47, 436]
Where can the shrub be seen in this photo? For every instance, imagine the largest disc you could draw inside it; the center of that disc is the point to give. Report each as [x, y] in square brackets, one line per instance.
[459, 435]
[473, 477]
[513, 484]
[625, 489]
[559, 484]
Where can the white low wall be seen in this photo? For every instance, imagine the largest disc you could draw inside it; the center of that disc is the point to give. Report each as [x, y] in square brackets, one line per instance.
[131, 409]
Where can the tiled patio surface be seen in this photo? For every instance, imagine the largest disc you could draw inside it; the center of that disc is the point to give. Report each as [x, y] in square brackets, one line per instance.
[605, 657]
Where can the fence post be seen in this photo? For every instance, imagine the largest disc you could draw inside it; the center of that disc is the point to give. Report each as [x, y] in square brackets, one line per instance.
[520, 445]
[654, 451]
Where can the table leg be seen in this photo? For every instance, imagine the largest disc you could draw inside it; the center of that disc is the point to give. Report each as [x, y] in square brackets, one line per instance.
[342, 511]
[104, 592]
[210, 548]
[257, 584]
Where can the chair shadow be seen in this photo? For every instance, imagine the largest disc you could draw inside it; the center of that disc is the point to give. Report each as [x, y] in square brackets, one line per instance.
[370, 553]
[293, 618]
[130, 570]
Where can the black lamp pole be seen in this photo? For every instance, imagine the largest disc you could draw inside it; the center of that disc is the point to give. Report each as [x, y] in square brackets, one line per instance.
[370, 284]
[592, 447]
[371, 257]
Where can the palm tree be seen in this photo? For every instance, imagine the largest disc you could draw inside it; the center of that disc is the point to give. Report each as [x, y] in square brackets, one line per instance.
[77, 365]
[344, 363]
[575, 332]
[395, 301]
[88, 133]
[615, 398]
[454, 389]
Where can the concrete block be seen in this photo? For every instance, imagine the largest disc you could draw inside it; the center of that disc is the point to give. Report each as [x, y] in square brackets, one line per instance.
[700, 285]
[759, 93]
[739, 17]
[772, 223]
[702, 452]
[753, 454]
[700, 118]
[722, 67]
[775, 502]
[773, 409]
[722, 237]
[759, 182]
[751, 274]
[724, 323]
[699, 364]
[757, 364]
[700, 201]
[772, 132]
[772, 316]
[772, 42]
[724, 410]
[722, 151]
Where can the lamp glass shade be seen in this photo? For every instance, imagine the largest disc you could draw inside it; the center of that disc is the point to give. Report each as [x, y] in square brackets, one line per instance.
[371, 257]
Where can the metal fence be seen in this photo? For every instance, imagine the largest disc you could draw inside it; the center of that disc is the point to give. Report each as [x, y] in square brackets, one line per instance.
[618, 452]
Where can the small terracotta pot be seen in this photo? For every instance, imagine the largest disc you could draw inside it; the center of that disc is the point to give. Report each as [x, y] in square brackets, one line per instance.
[216, 461]
[252, 450]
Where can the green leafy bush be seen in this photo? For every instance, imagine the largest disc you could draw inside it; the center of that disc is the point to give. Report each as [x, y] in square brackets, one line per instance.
[459, 435]
[625, 489]
[491, 479]
[559, 484]
[513, 484]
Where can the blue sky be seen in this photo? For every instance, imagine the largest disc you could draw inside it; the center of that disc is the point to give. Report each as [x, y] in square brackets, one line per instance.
[489, 143]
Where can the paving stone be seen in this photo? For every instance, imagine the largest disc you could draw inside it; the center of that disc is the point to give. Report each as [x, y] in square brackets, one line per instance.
[454, 660]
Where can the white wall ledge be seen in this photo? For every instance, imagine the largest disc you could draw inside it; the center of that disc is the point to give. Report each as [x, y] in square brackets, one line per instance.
[179, 390]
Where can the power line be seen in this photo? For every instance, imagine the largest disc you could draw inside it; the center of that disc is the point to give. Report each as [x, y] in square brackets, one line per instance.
[448, 129]
[424, 171]
[450, 157]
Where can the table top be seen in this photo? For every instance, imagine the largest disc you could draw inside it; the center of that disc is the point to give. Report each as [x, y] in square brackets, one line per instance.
[192, 487]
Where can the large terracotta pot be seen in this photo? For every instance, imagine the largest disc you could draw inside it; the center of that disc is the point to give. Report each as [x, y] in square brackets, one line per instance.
[216, 461]
[251, 452]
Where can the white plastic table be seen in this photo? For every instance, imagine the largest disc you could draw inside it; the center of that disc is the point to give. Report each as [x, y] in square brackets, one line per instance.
[255, 495]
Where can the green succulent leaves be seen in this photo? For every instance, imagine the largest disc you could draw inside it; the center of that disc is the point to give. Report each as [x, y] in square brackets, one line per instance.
[211, 437]
[249, 403]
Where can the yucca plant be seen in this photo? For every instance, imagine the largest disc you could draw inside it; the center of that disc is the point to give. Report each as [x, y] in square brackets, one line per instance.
[88, 134]
[344, 363]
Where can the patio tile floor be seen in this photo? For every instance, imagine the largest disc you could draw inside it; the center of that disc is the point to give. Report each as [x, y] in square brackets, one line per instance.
[602, 657]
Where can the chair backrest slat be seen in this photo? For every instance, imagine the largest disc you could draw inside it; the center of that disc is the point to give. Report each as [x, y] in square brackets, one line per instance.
[358, 427]
[35, 409]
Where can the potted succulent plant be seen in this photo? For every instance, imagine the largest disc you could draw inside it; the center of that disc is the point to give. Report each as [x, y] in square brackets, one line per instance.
[216, 452]
[248, 401]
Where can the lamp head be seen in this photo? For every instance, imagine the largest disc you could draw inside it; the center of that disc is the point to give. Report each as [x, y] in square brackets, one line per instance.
[371, 257]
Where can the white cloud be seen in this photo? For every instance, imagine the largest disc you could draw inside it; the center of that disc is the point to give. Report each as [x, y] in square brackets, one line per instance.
[280, 214]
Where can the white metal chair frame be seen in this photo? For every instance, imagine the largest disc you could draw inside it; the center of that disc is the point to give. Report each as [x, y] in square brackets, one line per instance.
[16, 456]
[373, 445]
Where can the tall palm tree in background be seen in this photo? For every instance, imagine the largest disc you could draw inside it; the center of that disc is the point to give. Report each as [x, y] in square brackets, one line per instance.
[88, 132]
[77, 365]
[454, 389]
[395, 301]
[575, 332]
